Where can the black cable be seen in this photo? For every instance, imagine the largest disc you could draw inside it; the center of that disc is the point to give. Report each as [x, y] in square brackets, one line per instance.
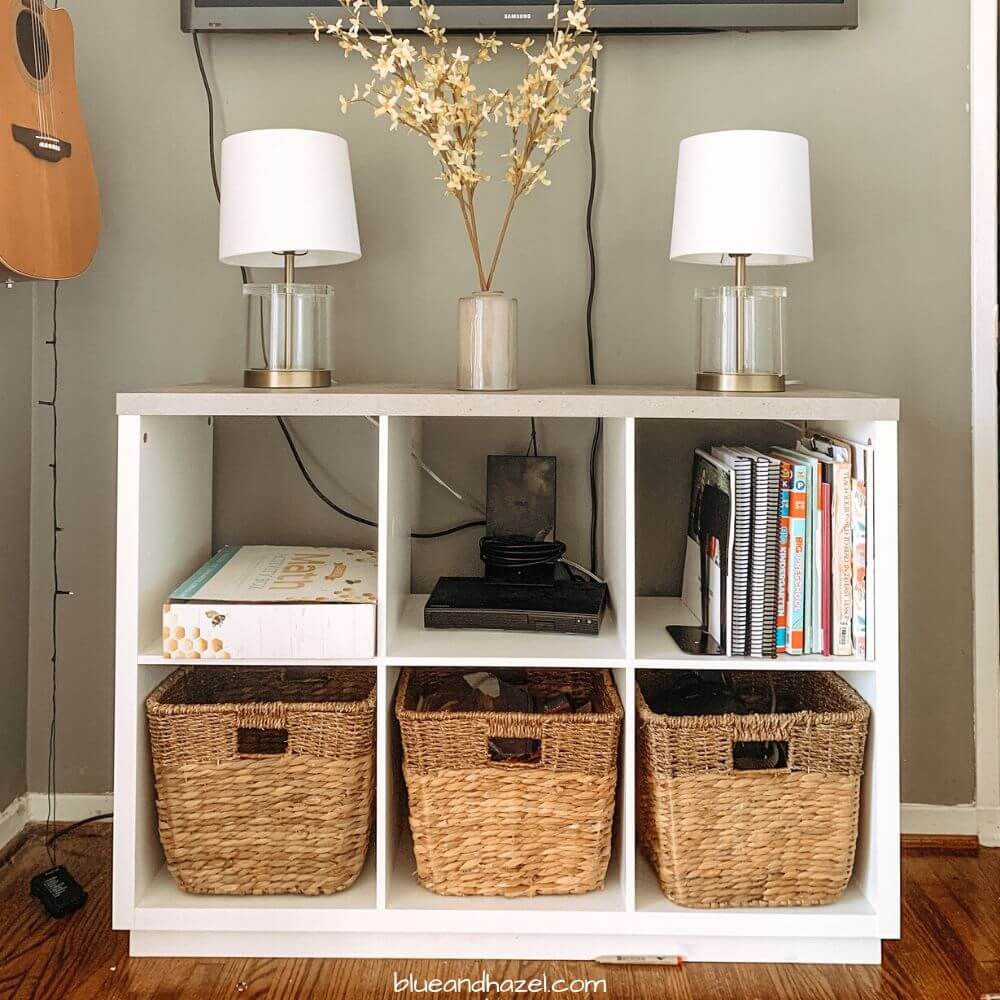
[210, 100]
[76, 826]
[312, 485]
[448, 531]
[51, 792]
[519, 553]
[591, 198]
[533, 440]
[57, 592]
[591, 364]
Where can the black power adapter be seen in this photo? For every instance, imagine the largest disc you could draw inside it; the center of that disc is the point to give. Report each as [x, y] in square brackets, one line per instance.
[58, 891]
[519, 547]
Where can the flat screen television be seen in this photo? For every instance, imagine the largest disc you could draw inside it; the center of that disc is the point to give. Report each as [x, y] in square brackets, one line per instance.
[531, 15]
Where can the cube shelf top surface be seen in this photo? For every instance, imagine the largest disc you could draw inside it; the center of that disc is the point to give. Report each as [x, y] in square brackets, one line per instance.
[798, 403]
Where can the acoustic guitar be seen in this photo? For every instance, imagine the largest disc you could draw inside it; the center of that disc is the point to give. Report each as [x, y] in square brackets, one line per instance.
[49, 212]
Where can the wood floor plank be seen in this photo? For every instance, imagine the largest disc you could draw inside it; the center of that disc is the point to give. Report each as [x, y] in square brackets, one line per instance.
[950, 950]
[964, 890]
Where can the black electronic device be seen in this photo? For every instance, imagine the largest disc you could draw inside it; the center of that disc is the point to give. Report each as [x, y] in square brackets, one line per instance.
[569, 606]
[532, 15]
[521, 497]
[520, 546]
[58, 891]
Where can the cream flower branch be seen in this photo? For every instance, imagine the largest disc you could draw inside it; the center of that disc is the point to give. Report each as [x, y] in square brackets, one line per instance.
[428, 89]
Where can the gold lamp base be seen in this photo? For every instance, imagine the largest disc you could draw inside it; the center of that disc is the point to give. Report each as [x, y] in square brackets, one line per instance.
[739, 382]
[287, 378]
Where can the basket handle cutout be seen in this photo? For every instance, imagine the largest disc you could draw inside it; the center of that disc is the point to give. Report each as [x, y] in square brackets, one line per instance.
[255, 742]
[516, 751]
[760, 755]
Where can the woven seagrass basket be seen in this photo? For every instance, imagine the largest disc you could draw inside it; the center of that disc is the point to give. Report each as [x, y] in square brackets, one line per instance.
[719, 837]
[264, 778]
[489, 828]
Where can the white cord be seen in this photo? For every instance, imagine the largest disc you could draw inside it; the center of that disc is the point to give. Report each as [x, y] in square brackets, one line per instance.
[582, 569]
[469, 501]
[802, 428]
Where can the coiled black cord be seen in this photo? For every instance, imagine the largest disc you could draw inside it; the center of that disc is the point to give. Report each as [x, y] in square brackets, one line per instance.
[519, 553]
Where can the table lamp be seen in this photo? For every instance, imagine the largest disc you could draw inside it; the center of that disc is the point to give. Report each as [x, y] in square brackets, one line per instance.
[742, 199]
[287, 200]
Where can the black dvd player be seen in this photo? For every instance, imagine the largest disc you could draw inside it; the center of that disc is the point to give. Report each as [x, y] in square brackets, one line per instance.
[570, 606]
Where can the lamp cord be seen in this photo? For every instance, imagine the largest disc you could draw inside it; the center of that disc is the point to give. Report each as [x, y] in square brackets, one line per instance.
[595, 443]
[591, 294]
[290, 441]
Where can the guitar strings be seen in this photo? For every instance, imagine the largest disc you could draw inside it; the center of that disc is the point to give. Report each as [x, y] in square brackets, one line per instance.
[37, 35]
[41, 67]
[53, 103]
[46, 83]
[34, 52]
[47, 92]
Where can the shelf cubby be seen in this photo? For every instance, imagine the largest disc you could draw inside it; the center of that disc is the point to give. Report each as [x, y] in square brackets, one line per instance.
[196, 483]
[403, 889]
[664, 450]
[405, 640]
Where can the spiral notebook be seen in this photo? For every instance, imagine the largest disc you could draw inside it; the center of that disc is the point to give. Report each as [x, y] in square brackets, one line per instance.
[743, 470]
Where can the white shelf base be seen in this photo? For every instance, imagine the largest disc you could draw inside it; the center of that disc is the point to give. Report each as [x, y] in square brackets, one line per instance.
[654, 647]
[412, 645]
[488, 947]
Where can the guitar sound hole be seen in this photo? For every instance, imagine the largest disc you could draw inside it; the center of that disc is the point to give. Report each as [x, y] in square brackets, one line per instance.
[32, 44]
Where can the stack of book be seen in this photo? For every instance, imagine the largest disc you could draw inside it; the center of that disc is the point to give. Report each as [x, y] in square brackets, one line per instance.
[779, 552]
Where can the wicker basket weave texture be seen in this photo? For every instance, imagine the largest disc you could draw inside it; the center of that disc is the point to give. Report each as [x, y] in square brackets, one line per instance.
[264, 778]
[718, 837]
[490, 828]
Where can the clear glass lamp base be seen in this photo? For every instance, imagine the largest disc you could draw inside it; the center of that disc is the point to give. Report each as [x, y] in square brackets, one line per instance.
[289, 336]
[741, 338]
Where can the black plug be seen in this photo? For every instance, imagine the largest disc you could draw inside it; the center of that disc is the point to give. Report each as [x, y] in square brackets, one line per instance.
[58, 891]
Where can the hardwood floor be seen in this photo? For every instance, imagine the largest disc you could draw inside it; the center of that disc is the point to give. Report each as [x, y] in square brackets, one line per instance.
[950, 949]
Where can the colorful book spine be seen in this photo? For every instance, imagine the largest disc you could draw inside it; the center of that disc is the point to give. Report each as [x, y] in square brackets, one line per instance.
[814, 609]
[859, 564]
[826, 519]
[798, 567]
[781, 610]
[841, 538]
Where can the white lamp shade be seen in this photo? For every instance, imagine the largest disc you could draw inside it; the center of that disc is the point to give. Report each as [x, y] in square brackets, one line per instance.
[743, 192]
[287, 189]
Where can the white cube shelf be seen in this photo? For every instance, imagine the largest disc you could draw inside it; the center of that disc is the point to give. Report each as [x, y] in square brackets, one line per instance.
[165, 530]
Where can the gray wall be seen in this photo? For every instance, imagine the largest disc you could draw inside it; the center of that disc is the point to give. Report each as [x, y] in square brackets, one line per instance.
[15, 442]
[884, 308]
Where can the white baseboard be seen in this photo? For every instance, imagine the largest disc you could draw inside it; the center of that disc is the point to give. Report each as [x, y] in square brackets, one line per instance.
[34, 808]
[928, 820]
[13, 820]
[989, 827]
[70, 807]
